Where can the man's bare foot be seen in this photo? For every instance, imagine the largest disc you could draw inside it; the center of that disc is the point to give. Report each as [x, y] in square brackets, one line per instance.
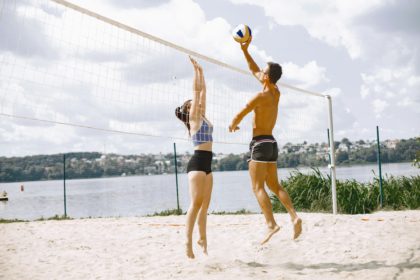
[270, 233]
[297, 227]
[203, 244]
[189, 250]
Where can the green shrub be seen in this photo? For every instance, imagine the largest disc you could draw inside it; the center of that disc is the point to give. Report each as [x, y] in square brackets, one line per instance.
[8, 221]
[242, 211]
[55, 217]
[352, 198]
[312, 192]
[168, 212]
[400, 192]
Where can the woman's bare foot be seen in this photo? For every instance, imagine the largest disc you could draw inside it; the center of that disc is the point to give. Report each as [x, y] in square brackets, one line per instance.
[203, 243]
[297, 227]
[189, 250]
[271, 232]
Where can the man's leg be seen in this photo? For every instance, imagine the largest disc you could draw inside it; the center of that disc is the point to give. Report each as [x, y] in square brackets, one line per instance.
[258, 172]
[276, 188]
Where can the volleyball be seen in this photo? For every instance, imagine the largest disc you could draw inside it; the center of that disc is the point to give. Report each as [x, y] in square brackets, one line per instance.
[241, 33]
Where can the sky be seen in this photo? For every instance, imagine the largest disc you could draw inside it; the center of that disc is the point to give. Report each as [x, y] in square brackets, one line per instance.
[58, 65]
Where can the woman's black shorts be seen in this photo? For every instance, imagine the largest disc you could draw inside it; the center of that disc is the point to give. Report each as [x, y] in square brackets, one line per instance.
[200, 161]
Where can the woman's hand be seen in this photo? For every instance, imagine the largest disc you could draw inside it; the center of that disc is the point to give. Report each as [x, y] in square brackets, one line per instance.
[195, 64]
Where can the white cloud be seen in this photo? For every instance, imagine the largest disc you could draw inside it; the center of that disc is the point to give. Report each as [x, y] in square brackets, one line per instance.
[379, 36]
[389, 94]
[405, 102]
[334, 92]
[330, 21]
[89, 83]
[391, 84]
[364, 91]
[307, 76]
[103, 77]
[379, 106]
[414, 81]
[170, 22]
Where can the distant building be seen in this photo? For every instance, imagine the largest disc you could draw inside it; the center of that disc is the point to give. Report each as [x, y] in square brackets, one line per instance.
[101, 160]
[149, 170]
[159, 156]
[391, 144]
[73, 162]
[342, 148]
[219, 156]
[283, 150]
[160, 166]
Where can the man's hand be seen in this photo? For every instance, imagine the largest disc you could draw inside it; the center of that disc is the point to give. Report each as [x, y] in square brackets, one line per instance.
[245, 45]
[233, 128]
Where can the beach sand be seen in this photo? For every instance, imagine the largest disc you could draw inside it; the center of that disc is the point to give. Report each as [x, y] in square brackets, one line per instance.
[383, 245]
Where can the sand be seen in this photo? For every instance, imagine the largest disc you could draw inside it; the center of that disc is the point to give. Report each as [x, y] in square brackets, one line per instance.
[383, 245]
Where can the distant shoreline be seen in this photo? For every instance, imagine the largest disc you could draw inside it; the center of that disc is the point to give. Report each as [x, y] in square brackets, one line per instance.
[183, 172]
[85, 165]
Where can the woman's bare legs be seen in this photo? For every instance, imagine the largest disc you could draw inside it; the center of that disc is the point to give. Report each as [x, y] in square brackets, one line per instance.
[196, 180]
[202, 214]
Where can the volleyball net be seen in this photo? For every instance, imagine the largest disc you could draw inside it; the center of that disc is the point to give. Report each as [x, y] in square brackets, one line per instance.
[61, 64]
[67, 73]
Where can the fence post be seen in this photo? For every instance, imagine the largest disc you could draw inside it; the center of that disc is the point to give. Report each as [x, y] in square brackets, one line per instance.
[64, 182]
[378, 144]
[176, 177]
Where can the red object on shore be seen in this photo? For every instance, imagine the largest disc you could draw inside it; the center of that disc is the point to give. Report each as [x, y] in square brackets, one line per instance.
[22, 188]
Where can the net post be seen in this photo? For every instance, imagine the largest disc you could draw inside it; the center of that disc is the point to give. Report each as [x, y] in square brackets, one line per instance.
[332, 155]
[379, 165]
[176, 178]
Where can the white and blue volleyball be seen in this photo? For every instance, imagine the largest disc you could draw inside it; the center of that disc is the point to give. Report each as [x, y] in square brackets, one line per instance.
[241, 33]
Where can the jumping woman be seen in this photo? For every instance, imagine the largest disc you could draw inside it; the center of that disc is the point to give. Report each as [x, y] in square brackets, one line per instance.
[200, 179]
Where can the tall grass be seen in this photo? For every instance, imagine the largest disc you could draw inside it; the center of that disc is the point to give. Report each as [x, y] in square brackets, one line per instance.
[169, 212]
[242, 211]
[312, 192]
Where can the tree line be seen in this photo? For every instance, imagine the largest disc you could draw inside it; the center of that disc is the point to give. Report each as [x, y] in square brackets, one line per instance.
[96, 165]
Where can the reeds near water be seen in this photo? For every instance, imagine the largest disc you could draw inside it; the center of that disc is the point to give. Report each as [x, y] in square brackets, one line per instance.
[312, 193]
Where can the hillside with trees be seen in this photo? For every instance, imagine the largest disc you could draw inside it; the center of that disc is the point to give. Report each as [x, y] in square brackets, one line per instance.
[96, 165]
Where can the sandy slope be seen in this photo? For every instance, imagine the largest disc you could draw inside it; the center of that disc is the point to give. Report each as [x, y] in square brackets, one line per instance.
[384, 245]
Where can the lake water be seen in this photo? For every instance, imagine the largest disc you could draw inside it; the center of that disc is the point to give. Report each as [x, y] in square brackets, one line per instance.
[142, 195]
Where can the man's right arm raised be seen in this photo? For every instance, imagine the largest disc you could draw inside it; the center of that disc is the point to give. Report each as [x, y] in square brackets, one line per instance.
[256, 71]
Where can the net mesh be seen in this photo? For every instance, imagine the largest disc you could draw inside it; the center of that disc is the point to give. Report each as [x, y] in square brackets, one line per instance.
[59, 66]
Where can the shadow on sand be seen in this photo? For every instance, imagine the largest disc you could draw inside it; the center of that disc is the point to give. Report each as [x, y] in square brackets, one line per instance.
[338, 267]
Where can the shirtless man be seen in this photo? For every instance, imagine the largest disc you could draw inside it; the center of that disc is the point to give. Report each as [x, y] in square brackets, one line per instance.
[263, 147]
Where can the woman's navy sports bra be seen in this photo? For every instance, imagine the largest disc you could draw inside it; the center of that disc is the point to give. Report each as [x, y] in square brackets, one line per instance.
[204, 134]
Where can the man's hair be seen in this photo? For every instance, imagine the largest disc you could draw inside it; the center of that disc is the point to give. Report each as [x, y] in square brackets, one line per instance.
[274, 72]
[183, 114]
